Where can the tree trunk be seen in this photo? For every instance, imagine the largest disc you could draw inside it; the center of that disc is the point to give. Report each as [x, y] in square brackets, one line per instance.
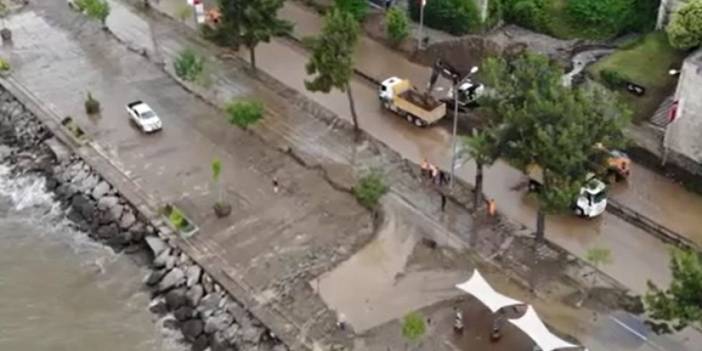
[478, 194]
[352, 105]
[252, 55]
[540, 225]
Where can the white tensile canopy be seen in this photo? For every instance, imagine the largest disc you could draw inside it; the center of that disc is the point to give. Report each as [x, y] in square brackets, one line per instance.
[481, 290]
[531, 325]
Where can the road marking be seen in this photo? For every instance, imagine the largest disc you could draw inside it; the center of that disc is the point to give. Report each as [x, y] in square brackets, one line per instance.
[637, 334]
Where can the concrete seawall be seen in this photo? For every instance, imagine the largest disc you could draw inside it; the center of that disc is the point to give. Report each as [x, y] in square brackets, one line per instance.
[198, 305]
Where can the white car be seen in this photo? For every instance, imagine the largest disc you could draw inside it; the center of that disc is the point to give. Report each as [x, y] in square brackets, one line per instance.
[144, 117]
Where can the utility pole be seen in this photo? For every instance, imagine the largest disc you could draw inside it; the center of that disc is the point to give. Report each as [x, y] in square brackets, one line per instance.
[453, 134]
[456, 85]
[420, 43]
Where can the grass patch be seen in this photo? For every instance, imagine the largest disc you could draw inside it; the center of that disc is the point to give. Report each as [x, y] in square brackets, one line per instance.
[370, 189]
[645, 63]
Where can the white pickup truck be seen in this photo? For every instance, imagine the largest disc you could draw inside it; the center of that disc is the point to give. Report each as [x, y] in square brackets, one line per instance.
[143, 116]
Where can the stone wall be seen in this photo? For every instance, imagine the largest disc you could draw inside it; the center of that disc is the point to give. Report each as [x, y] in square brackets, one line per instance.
[189, 298]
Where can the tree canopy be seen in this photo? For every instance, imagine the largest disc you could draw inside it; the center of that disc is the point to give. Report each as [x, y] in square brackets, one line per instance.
[685, 27]
[541, 122]
[681, 303]
[98, 9]
[260, 22]
[331, 61]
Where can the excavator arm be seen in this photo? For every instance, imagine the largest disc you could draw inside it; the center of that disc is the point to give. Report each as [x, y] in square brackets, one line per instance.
[441, 68]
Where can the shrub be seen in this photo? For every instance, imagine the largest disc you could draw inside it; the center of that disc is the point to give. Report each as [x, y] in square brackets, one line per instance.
[188, 65]
[4, 65]
[413, 326]
[184, 11]
[357, 8]
[612, 17]
[370, 189]
[243, 113]
[92, 106]
[685, 28]
[526, 13]
[454, 16]
[177, 218]
[397, 25]
[613, 79]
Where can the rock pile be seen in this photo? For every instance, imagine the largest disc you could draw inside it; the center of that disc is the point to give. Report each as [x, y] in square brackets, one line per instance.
[207, 316]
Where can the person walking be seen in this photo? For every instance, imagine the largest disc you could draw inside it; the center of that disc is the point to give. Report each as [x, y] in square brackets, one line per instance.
[443, 202]
[275, 185]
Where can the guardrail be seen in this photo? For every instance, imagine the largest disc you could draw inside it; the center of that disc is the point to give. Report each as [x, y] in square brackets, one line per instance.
[645, 223]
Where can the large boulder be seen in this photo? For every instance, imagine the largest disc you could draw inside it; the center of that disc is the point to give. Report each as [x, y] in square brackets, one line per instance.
[88, 183]
[108, 231]
[220, 321]
[209, 304]
[162, 259]
[154, 277]
[114, 213]
[156, 245]
[201, 343]
[107, 202]
[184, 313]
[192, 328]
[194, 294]
[193, 275]
[101, 190]
[158, 306]
[175, 298]
[173, 279]
[84, 206]
[128, 219]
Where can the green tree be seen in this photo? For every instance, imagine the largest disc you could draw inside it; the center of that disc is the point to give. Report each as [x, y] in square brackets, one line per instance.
[260, 22]
[357, 8]
[681, 304]
[98, 9]
[396, 24]
[331, 62]
[483, 148]
[228, 31]
[216, 172]
[543, 123]
[685, 27]
[413, 327]
[244, 113]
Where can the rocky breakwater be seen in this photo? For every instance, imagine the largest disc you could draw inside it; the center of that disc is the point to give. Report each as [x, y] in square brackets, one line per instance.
[186, 296]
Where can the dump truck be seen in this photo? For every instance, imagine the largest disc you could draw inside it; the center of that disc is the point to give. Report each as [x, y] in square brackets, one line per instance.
[591, 200]
[399, 96]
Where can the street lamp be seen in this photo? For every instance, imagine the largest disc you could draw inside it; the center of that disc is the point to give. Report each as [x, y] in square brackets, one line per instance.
[473, 70]
[422, 3]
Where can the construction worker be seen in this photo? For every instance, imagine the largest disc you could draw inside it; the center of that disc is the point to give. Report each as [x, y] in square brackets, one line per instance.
[491, 207]
[424, 167]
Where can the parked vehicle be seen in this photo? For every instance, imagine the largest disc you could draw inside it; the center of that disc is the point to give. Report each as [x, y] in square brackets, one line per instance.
[422, 109]
[399, 96]
[590, 202]
[143, 116]
[612, 165]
